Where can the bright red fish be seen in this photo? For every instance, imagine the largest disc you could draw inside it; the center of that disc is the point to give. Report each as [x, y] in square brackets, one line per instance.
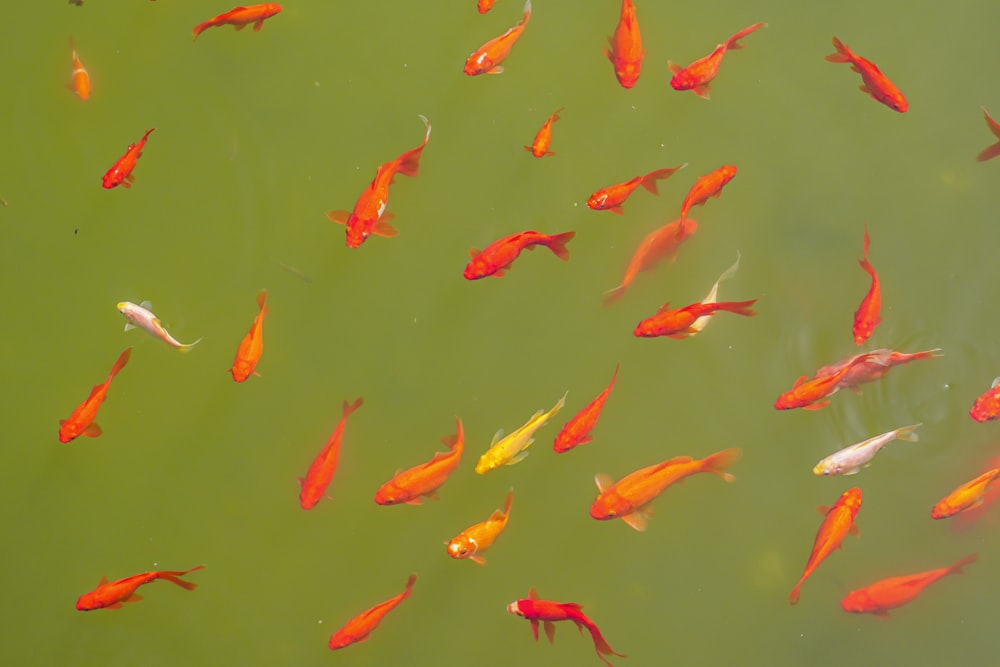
[866, 317]
[411, 486]
[676, 323]
[660, 244]
[837, 523]
[81, 422]
[887, 594]
[121, 171]
[626, 52]
[112, 595]
[873, 365]
[987, 406]
[369, 216]
[611, 198]
[496, 259]
[709, 185]
[547, 612]
[325, 464]
[875, 83]
[540, 146]
[487, 58]
[808, 394]
[81, 79]
[360, 627]
[696, 76]
[577, 430]
[992, 150]
[252, 345]
[965, 496]
[241, 17]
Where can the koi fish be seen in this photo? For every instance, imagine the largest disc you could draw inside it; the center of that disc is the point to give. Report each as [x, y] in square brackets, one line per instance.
[325, 464]
[626, 52]
[696, 76]
[241, 17]
[850, 460]
[677, 322]
[141, 317]
[410, 486]
[496, 259]
[114, 594]
[252, 345]
[838, 521]
[873, 366]
[987, 406]
[361, 626]
[875, 83]
[476, 539]
[966, 496]
[540, 146]
[510, 450]
[81, 422]
[485, 5]
[866, 317]
[121, 171]
[369, 216]
[487, 58]
[660, 244]
[709, 185]
[887, 594]
[81, 79]
[628, 499]
[577, 430]
[547, 612]
[711, 297]
[808, 394]
[992, 150]
[611, 198]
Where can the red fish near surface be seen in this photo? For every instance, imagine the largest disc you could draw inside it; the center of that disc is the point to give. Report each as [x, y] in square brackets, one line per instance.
[837, 523]
[81, 422]
[496, 259]
[252, 345]
[696, 76]
[875, 83]
[626, 52]
[966, 496]
[241, 17]
[611, 198]
[987, 406]
[369, 216]
[808, 394]
[361, 626]
[709, 185]
[887, 594]
[577, 430]
[866, 317]
[112, 595]
[872, 366]
[660, 244]
[676, 323]
[411, 486]
[546, 612]
[81, 79]
[121, 171]
[540, 146]
[992, 150]
[325, 464]
[487, 58]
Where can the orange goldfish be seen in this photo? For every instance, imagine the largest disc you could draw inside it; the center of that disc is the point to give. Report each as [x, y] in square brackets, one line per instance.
[992, 150]
[81, 422]
[121, 171]
[696, 76]
[887, 594]
[252, 345]
[577, 430]
[325, 464]
[875, 83]
[964, 520]
[629, 497]
[487, 58]
[987, 406]
[241, 17]
[410, 486]
[112, 595]
[662, 243]
[540, 146]
[677, 322]
[498, 256]
[837, 523]
[626, 52]
[866, 317]
[476, 539]
[485, 5]
[369, 216]
[709, 185]
[808, 394]
[611, 198]
[360, 627]
[966, 496]
[81, 79]
[873, 365]
[547, 612]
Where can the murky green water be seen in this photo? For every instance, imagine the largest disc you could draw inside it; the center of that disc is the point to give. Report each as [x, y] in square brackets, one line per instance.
[258, 134]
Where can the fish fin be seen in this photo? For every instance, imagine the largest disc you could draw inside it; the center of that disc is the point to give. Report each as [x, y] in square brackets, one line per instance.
[854, 530]
[968, 560]
[534, 628]
[102, 582]
[339, 216]
[557, 244]
[604, 482]
[989, 152]
[550, 631]
[823, 509]
[477, 559]
[117, 605]
[129, 326]
[92, 431]
[584, 440]
[473, 252]
[146, 303]
[187, 347]
[909, 433]
[816, 406]
[702, 91]
[383, 228]
[416, 500]
[674, 67]
[496, 70]
[852, 471]
[240, 26]
[135, 597]
[804, 378]
[664, 307]
[635, 520]
[258, 25]
[618, 210]
[496, 437]
[126, 185]
[517, 459]
[301, 480]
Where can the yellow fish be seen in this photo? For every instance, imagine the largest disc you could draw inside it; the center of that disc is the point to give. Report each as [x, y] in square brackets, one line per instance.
[510, 450]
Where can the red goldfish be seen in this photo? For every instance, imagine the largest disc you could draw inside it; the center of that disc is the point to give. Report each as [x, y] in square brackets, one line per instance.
[866, 317]
[410, 486]
[629, 497]
[611, 198]
[485, 5]
[677, 322]
[875, 83]
[81, 422]
[369, 216]
[696, 76]
[241, 17]
[487, 58]
[540, 146]
[662, 243]
[112, 595]
[966, 496]
[81, 79]
[496, 259]
[252, 345]
[325, 464]
[476, 539]
[358, 628]
[872, 366]
[546, 611]
[709, 185]
[626, 52]
[808, 394]
[992, 150]
[887, 594]
[837, 523]
[121, 171]
[577, 430]
[987, 406]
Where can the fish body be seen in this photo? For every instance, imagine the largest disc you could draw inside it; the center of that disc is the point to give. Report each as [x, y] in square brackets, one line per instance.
[81, 79]
[871, 365]
[987, 405]
[474, 540]
[626, 51]
[613, 197]
[709, 185]
[696, 76]
[838, 521]
[252, 345]
[361, 626]
[540, 146]
[880, 597]
[660, 244]
[112, 595]
[875, 83]
[496, 258]
[121, 171]
[506, 451]
[413, 485]
[325, 464]
[677, 322]
[965, 496]
[240, 17]
[850, 460]
[992, 150]
[142, 318]
[81, 422]
[809, 394]
[577, 430]
[487, 58]
[866, 317]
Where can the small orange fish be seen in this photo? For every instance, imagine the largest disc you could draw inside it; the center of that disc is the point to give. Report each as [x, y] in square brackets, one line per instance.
[875, 83]
[360, 627]
[873, 366]
[577, 430]
[966, 496]
[252, 345]
[992, 150]
[540, 146]
[887, 594]
[696, 76]
[121, 171]
[112, 595]
[965, 519]
[81, 79]
[485, 5]
[498, 256]
[866, 317]
[411, 486]
[81, 422]
[626, 52]
[611, 198]
[241, 17]
[987, 406]
[487, 58]
[808, 394]
[325, 464]
[676, 323]
[709, 185]
[837, 523]
[660, 244]
[476, 539]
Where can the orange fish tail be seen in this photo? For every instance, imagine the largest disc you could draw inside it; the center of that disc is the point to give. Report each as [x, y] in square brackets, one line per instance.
[793, 597]
[409, 585]
[172, 577]
[508, 503]
[601, 645]
[120, 364]
[738, 307]
[557, 243]
[201, 27]
[968, 560]
[733, 42]
[349, 408]
[649, 180]
[843, 54]
[719, 462]
[262, 301]
[408, 163]
[989, 152]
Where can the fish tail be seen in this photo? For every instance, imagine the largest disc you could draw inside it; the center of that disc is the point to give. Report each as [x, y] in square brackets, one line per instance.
[649, 180]
[408, 164]
[349, 408]
[262, 301]
[187, 346]
[508, 503]
[120, 364]
[843, 54]
[409, 585]
[173, 577]
[527, 12]
[202, 27]
[968, 560]
[719, 462]
[909, 433]
[733, 42]
[557, 243]
[738, 307]
[989, 152]
[601, 644]
[793, 597]
[613, 295]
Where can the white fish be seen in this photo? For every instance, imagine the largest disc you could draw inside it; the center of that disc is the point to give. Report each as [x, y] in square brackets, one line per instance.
[713, 293]
[140, 316]
[849, 460]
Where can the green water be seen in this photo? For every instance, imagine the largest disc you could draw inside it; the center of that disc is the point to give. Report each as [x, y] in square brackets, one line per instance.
[258, 134]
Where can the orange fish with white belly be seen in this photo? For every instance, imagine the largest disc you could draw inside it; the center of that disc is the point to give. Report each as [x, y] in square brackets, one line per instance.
[487, 58]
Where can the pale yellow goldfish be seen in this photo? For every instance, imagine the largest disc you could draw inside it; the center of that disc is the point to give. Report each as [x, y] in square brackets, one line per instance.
[506, 451]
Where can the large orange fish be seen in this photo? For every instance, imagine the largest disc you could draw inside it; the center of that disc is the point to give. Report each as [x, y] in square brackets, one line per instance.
[487, 58]
[252, 345]
[81, 422]
[992, 150]
[875, 83]
[628, 498]
[474, 540]
[709, 185]
[540, 146]
[626, 52]
[808, 394]
[837, 523]
[369, 216]
[241, 17]
[612, 197]
[121, 171]
[660, 244]
[965, 496]
[497, 257]
[360, 627]
[677, 322]
[873, 365]
[987, 406]
[866, 317]
[887, 594]
[325, 464]
[696, 76]
[411, 486]
[81, 79]
[111, 595]
[577, 430]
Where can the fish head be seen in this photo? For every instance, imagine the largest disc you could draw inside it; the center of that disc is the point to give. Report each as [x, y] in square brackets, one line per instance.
[825, 468]
[856, 602]
[609, 506]
[88, 602]
[462, 547]
[515, 608]
[356, 233]
[598, 200]
[478, 63]
[390, 494]
[627, 72]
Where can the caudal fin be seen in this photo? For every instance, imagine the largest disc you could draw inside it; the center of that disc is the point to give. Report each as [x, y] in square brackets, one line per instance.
[349, 408]
[989, 152]
[409, 162]
[968, 560]
[557, 244]
[120, 364]
[733, 42]
[173, 577]
[719, 462]
[738, 307]
[843, 54]
[649, 180]
[601, 645]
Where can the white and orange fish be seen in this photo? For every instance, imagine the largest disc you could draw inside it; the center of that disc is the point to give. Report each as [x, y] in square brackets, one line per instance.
[141, 317]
